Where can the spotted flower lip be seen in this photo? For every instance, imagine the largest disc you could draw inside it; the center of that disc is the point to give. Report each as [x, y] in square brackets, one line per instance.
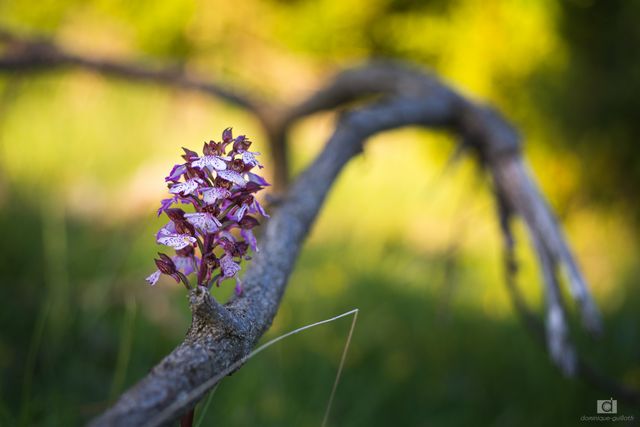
[175, 240]
[232, 176]
[204, 221]
[229, 267]
[186, 187]
[211, 162]
[153, 278]
[211, 194]
[249, 158]
[218, 187]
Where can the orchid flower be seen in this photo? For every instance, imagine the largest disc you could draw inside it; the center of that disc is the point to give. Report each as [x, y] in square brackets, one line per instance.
[212, 240]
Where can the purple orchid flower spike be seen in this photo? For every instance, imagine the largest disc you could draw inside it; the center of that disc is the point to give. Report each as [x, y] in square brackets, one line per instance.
[211, 240]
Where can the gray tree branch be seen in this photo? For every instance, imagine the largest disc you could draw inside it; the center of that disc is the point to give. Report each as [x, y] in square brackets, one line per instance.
[30, 55]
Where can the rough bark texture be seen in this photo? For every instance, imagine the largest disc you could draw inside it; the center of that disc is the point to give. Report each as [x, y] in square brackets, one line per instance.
[384, 96]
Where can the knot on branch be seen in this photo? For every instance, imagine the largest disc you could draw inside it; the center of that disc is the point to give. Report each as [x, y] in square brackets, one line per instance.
[210, 318]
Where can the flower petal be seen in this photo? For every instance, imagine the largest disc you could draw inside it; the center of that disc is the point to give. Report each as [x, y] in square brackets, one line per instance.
[239, 214]
[204, 221]
[257, 207]
[177, 241]
[250, 239]
[165, 204]
[211, 194]
[153, 278]
[176, 173]
[211, 162]
[186, 187]
[167, 230]
[249, 158]
[232, 176]
[184, 264]
[238, 288]
[227, 135]
[257, 179]
[228, 266]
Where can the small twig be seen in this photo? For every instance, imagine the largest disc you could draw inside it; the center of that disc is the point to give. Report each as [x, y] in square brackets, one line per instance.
[558, 342]
[514, 181]
[583, 370]
[559, 345]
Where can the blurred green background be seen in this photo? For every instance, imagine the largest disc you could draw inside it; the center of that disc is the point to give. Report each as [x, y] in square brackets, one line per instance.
[82, 161]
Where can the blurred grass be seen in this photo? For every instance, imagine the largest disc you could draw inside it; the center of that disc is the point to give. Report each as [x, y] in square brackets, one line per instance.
[414, 246]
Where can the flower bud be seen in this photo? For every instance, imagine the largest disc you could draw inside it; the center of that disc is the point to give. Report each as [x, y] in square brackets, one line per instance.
[222, 183]
[237, 165]
[248, 222]
[207, 150]
[175, 214]
[189, 155]
[227, 135]
[241, 248]
[183, 227]
[252, 187]
[212, 261]
[241, 144]
[226, 244]
[165, 264]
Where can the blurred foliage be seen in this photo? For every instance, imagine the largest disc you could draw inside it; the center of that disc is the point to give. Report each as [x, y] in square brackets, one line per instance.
[592, 100]
[415, 248]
